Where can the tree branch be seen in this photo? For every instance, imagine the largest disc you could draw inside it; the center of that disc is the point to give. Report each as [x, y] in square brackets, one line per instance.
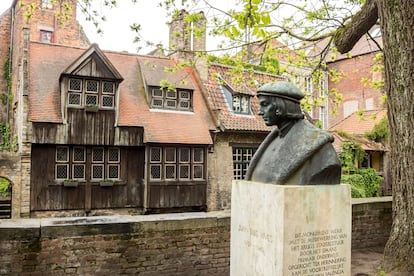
[346, 37]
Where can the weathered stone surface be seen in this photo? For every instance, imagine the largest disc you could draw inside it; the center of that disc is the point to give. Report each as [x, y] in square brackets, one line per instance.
[290, 230]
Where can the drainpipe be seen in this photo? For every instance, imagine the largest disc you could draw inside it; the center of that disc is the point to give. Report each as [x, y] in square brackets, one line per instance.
[10, 57]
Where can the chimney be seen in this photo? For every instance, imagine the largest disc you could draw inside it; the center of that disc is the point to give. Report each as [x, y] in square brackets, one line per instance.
[188, 40]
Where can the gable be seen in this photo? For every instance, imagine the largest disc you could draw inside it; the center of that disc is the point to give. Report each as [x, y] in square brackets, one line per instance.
[93, 63]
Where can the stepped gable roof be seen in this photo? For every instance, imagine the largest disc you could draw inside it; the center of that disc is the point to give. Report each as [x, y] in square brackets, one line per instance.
[360, 123]
[228, 121]
[47, 63]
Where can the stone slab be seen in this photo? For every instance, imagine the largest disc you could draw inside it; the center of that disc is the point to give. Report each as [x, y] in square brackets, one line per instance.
[290, 230]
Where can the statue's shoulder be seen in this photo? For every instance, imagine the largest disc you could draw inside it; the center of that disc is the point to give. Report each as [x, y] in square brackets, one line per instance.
[306, 130]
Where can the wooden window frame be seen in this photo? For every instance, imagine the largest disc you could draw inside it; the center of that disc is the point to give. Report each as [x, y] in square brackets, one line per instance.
[100, 94]
[241, 100]
[191, 163]
[163, 99]
[88, 163]
[240, 165]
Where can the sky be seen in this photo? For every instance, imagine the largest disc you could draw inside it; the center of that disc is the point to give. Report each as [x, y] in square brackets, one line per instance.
[117, 35]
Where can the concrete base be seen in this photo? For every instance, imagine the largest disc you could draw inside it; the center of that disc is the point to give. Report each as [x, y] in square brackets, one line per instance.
[290, 230]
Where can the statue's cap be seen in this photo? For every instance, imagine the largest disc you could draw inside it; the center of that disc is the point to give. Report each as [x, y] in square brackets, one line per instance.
[282, 89]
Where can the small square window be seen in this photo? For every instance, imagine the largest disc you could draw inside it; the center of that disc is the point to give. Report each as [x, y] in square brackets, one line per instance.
[97, 171]
[185, 95]
[92, 86]
[46, 36]
[113, 155]
[98, 155]
[155, 172]
[198, 156]
[198, 171]
[170, 103]
[170, 172]
[91, 99]
[155, 154]
[157, 102]
[157, 93]
[184, 104]
[170, 155]
[75, 85]
[107, 101]
[62, 171]
[79, 154]
[113, 171]
[108, 87]
[62, 154]
[171, 94]
[184, 171]
[78, 171]
[185, 155]
[74, 99]
[47, 4]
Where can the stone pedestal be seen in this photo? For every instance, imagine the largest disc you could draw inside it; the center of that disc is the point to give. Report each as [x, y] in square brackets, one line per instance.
[290, 230]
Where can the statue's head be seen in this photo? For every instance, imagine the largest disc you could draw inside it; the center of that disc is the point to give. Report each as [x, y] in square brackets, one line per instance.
[279, 103]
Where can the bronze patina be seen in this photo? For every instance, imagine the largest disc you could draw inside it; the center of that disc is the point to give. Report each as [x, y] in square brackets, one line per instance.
[297, 152]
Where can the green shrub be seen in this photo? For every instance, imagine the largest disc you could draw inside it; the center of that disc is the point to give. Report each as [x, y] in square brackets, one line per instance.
[4, 187]
[364, 183]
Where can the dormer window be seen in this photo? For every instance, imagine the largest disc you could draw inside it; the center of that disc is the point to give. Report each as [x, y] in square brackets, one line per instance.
[87, 93]
[241, 104]
[179, 99]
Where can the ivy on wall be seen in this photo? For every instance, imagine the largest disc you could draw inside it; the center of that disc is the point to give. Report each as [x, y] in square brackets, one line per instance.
[364, 182]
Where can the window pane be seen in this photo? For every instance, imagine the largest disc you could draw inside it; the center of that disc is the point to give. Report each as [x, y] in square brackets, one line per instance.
[171, 94]
[185, 104]
[155, 171]
[170, 155]
[171, 103]
[108, 87]
[107, 101]
[45, 36]
[157, 102]
[97, 171]
[113, 155]
[75, 85]
[62, 154]
[157, 93]
[245, 104]
[238, 171]
[62, 171]
[92, 86]
[113, 171]
[184, 95]
[97, 155]
[74, 99]
[155, 154]
[236, 103]
[184, 171]
[79, 154]
[198, 171]
[91, 99]
[198, 155]
[78, 171]
[185, 155]
[170, 172]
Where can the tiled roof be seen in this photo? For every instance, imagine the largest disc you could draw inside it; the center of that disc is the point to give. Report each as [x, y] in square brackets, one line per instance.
[227, 119]
[360, 123]
[47, 62]
[364, 142]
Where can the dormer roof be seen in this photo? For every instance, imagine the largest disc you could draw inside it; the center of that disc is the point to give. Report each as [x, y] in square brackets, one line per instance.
[93, 63]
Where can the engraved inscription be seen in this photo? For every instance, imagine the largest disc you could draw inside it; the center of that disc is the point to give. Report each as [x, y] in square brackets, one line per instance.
[318, 253]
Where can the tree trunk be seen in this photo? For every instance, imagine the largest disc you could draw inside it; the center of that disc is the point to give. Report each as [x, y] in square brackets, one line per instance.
[397, 26]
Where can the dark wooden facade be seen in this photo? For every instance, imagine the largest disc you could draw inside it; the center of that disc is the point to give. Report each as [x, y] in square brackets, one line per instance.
[49, 194]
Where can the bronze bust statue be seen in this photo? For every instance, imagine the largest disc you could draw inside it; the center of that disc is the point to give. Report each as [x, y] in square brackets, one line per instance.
[297, 152]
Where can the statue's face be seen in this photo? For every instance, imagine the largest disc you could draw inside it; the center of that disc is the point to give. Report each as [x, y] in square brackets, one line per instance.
[272, 113]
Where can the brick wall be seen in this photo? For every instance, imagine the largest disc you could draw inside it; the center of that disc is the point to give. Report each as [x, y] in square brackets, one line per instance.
[371, 222]
[174, 244]
[180, 244]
